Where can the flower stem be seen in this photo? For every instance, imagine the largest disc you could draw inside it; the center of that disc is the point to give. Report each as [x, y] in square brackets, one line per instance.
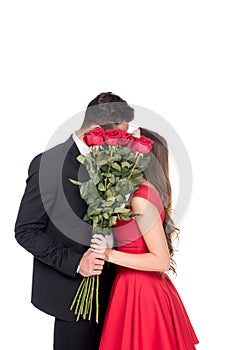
[109, 167]
[87, 298]
[91, 298]
[78, 301]
[97, 300]
[83, 297]
[78, 289]
[134, 166]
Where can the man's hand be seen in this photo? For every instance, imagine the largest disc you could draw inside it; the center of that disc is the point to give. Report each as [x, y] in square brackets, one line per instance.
[91, 263]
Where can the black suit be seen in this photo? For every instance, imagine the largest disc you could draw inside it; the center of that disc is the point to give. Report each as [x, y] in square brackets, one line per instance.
[50, 226]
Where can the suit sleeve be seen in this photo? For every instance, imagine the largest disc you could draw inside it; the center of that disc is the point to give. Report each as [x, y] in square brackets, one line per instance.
[31, 222]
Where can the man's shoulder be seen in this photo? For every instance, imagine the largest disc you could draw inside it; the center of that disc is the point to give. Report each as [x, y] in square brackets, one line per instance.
[52, 156]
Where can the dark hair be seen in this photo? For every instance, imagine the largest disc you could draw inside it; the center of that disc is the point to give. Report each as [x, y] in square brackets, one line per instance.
[157, 173]
[107, 110]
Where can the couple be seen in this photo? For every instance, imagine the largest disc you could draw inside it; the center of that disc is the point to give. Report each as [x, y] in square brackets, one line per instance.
[139, 308]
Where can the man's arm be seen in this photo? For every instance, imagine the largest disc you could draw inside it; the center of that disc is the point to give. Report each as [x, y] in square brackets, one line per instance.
[31, 222]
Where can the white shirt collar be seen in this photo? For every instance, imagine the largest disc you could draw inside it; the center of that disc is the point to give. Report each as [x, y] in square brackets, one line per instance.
[82, 147]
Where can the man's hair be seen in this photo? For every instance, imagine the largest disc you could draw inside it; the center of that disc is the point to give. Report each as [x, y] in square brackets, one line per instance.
[107, 109]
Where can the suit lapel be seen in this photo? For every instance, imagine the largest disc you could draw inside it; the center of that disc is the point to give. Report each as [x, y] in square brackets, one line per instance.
[73, 151]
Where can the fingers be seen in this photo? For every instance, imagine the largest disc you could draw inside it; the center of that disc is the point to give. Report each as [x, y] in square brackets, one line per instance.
[92, 254]
[97, 248]
[98, 243]
[92, 263]
[99, 237]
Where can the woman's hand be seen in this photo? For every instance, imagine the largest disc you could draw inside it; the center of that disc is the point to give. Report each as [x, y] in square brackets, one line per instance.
[99, 244]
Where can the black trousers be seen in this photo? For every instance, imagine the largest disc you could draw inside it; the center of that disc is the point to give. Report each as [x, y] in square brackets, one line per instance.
[72, 335]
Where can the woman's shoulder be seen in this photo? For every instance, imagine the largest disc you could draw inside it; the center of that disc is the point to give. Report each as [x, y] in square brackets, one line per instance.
[150, 193]
[145, 189]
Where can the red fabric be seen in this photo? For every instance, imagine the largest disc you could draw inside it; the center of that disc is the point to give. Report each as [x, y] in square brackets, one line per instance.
[145, 311]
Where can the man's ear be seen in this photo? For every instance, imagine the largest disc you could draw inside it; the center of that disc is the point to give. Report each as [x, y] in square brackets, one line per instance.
[80, 132]
[93, 126]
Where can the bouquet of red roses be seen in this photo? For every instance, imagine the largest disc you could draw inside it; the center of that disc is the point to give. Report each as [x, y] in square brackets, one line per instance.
[115, 164]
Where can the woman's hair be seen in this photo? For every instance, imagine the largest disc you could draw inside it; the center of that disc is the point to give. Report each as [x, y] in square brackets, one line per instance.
[157, 173]
[107, 110]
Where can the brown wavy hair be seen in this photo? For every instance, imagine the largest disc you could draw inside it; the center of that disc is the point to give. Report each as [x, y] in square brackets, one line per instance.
[157, 173]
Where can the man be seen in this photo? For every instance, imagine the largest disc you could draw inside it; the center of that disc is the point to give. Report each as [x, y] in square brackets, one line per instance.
[50, 226]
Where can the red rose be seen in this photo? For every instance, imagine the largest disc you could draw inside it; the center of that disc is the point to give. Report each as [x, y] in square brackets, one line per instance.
[116, 136]
[94, 137]
[142, 144]
[131, 140]
[126, 140]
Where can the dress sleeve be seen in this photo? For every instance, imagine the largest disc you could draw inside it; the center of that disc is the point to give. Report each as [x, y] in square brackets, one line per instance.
[152, 195]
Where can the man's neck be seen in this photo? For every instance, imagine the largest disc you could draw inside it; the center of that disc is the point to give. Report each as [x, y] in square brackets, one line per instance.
[80, 135]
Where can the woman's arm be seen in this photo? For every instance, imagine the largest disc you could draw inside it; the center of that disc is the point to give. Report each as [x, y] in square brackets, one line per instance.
[150, 225]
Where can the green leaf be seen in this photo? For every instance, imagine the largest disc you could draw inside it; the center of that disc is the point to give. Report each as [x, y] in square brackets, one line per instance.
[125, 172]
[116, 173]
[98, 230]
[102, 162]
[112, 179]
[95, 219]
[97, 202]
[88, 191]
[120, 210]
[106, 216]
[96, 179]
[135, 182]
[125, 164]
[131, 158]
[106, 231]
[108, 210]
[125, 150]
[86, 217]
[137, 171]
[120, 199]
[93, 211]
[74, 182]
[143, 163]
[135, 176]
[124, 187]
[108, 193]
[113, 191]
[110, 199]
[105, 168]
[116, 166]
[125, 217]
[133, 215]
[109, 202]
[108, 175]
[116, 157]
[113, 220]
[81, 158]
[101, 187]
[90, 164]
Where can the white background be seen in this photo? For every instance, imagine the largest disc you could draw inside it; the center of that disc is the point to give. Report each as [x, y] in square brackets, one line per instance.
[173, 57]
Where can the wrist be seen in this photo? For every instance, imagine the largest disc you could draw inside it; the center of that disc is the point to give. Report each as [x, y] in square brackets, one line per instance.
[109, 254]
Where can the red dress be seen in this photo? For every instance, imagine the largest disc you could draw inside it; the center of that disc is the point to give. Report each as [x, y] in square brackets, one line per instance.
[145, 311]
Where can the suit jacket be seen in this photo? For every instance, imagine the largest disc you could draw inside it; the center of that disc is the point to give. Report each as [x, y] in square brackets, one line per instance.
[50, 226]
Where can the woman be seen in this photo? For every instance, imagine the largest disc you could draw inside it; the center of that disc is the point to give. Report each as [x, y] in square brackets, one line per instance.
[145, 311]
